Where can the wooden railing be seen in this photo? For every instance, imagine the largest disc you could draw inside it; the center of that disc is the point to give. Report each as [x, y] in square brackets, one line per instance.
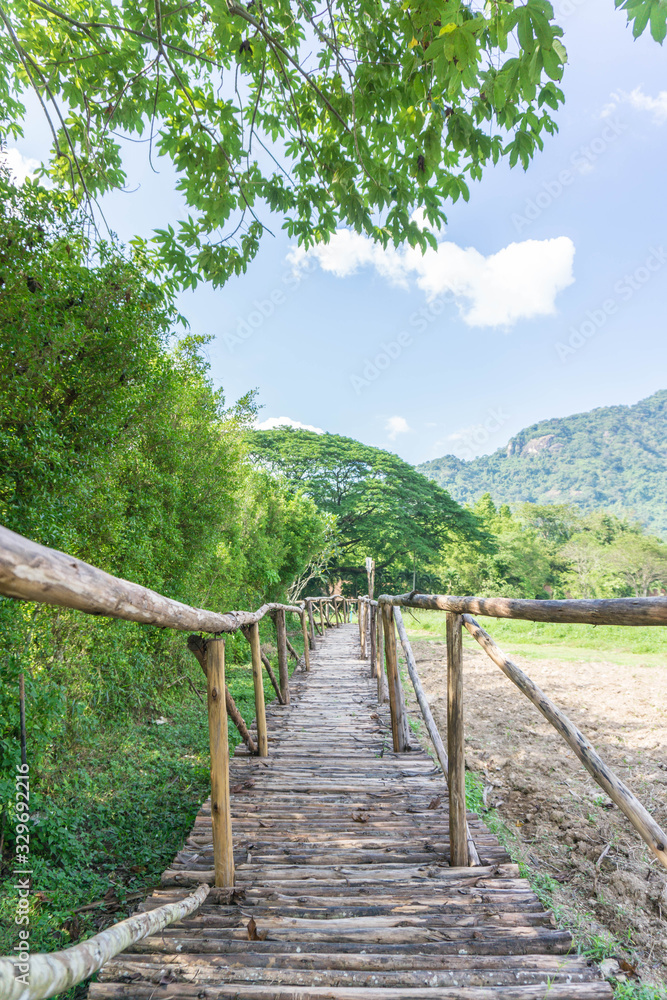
[32, 572]
[459, 611]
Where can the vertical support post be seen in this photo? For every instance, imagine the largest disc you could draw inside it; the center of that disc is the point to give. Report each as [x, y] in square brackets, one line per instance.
[363, 619]
[380, 658]
[335, 607]
[398, 720]
[373, 633]
[252, 635]
[359, 618]
[221, 816]
[306, 641]
[281, 637]
[24, 740]
[311, 622]
[322, 623]
[458, 842]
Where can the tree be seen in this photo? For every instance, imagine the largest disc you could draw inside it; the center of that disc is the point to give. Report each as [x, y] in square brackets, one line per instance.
[641, 561]
[514, 564]
[382, 506]
[355, 113]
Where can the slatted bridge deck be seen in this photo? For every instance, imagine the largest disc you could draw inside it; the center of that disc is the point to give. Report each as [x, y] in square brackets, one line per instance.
[343, 886]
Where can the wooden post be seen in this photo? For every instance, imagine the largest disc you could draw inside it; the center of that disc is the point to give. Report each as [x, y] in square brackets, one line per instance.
[306, 641]
[257, 680]
[221, 817]
[335, 607]
[382, 690]
[311, 622]
[281, 641]
[322, 623]
[398, 725]
[24, 741]
[363, 615]
[458, 843]
[373, 634]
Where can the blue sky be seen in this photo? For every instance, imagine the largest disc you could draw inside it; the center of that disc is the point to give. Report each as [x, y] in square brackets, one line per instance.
[547, 297]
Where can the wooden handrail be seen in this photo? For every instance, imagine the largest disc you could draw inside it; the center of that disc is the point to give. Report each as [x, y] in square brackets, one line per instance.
[58, 971]
[615, 611]
[617, 791]
[33, 572]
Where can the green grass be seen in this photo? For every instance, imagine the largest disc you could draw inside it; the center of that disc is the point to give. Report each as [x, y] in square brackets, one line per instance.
[111, 809]
[626, 645]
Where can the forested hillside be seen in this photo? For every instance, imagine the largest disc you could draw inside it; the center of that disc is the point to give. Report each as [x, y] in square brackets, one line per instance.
[614, 457]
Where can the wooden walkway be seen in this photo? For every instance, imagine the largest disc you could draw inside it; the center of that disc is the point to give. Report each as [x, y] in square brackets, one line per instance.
[343, 885]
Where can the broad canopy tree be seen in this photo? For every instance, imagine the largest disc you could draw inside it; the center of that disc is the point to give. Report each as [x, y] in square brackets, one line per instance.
[383, 507]
[356, 112]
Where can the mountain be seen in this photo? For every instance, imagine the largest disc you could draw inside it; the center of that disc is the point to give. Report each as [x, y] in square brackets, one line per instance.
[613, 457]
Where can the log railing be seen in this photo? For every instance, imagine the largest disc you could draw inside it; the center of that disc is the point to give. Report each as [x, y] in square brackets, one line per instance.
[459, 611]
[32, 572]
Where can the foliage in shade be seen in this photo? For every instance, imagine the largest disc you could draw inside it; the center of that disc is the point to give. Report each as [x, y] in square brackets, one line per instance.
[382, 506]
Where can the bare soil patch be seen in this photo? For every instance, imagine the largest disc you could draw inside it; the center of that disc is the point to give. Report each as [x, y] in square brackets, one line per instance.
[561, 822]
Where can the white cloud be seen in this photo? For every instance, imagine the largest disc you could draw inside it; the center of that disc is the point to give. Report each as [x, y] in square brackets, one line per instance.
[521, 281]
[271, 423]
[637, 99]
[20, 166]
[396, 426]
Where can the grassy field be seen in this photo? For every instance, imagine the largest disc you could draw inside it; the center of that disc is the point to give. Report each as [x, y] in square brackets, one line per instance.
[628, 646]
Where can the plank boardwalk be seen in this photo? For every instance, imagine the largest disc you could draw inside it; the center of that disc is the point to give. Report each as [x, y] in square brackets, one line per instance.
[343, 885]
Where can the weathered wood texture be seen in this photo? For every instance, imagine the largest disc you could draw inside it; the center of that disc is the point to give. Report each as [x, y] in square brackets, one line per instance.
[57, 971]
[427, 716]
[281, 642]
[258, 685]
[399, 728]
[33, 572]
[626, 801]
[272, 678]
[222, 847]
[617, 611]
[197, 646]
[306, 641]
[343, 885]
[456, 742]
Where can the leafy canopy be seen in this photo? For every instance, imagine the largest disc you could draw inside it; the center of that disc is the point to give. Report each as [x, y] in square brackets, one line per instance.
[382, 506]
[357, 112]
